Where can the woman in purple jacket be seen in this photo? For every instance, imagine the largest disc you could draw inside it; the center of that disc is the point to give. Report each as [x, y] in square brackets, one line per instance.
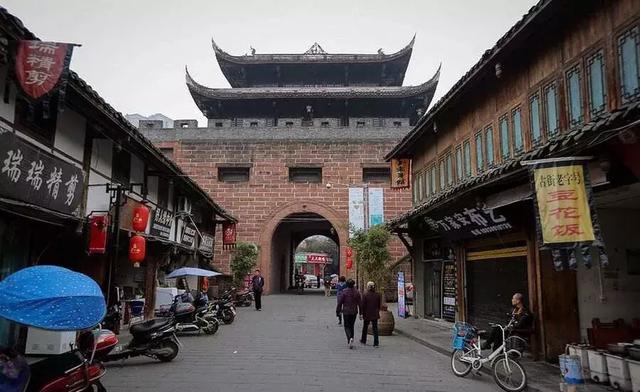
[342, 284]
[348, 306]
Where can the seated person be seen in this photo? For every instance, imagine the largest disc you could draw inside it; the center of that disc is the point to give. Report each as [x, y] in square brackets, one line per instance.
[522, 321]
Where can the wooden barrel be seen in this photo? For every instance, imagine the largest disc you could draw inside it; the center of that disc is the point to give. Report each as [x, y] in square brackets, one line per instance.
[386, 324]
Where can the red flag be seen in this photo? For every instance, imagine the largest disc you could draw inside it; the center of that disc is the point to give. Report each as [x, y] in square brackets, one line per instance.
[40, 65]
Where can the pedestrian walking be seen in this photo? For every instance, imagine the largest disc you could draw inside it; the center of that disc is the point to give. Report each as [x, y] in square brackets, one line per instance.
[327, 286]
[340, 286]
[348, 304]
[318, 281]
[257, 284]
[370, 313]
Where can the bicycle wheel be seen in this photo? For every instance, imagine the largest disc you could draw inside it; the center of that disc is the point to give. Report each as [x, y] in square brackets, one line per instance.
[459, 366]
[509, 374]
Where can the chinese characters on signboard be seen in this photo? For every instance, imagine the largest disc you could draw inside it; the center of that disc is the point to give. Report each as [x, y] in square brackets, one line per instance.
[402, 307]
[161, 223]
[229, 234]
[206, 245]
[468, 222]
[356, 210]
[189, 234]
[563, 205]
[376, 206]
[449, 291]
[34, 176]
[40, 65]
[400, 173]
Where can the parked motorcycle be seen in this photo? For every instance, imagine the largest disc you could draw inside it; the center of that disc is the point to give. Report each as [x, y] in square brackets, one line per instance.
[77, 304]
[187, 318]
[223, 309]
[240, 299]
[112, 320]
[154, 339]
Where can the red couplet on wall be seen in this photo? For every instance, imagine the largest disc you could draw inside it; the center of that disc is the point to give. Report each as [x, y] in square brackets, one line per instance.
[140, 218]
[98, 230]
[137, 250]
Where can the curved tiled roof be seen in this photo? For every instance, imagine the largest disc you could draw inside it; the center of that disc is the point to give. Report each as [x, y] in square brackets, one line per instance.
[197, 89]
[319, 58]
[595, 132]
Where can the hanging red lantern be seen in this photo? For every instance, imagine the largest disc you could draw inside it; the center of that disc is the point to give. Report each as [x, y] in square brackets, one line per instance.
[349, 251]
[140, 218]
[137, 250]
[349, 263]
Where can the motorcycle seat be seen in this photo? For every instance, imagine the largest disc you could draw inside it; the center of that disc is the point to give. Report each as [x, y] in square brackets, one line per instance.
[148, 326]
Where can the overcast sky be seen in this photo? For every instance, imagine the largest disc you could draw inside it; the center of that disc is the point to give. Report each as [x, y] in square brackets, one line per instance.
[134, 52]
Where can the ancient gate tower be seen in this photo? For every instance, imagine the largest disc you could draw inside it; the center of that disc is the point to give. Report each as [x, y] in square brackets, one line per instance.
[296, 141]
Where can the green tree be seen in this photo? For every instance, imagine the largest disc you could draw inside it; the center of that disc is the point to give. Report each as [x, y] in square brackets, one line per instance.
[245, 257]
[372, 254]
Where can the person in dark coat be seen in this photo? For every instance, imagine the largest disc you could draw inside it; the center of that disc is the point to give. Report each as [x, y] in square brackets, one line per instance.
[522, 321]
[348, 304]
[257, 284]
[370, 313]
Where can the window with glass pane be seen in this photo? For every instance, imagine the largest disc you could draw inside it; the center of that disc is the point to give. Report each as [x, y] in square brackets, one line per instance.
[479, 152]
[449, 169]
[518, 138]
[467, 158]
[628, 47]
[488, 137]
[534, 119]
[459, 172]
[427, 184]
[551, 109]
[597, 90]
[443, 173]
[574, 97]
[433, 177]
[505, 150]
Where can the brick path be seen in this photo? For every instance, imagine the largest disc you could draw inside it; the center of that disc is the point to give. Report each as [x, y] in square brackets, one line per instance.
[294, 344]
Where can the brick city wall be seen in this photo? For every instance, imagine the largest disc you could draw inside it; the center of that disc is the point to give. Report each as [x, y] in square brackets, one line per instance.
[269, 195]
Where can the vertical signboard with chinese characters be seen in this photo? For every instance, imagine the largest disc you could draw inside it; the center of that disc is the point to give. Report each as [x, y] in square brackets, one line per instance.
[36, 177]
[449, 291]
[566, 219]
[376, 206]
[402, 306]
[41, 65]
[400, 173]
[356, 210]
[563, 205]
[161, 223]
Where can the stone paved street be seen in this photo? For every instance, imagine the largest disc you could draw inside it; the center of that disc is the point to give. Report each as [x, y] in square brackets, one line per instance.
[294, 344]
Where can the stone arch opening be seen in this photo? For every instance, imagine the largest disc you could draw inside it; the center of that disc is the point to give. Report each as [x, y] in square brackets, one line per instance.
[286, 230]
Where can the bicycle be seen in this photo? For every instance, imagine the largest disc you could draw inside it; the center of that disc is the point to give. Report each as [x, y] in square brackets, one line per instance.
[467, 355]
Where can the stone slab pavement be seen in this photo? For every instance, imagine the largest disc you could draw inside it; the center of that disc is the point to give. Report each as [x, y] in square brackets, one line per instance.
[294, 344]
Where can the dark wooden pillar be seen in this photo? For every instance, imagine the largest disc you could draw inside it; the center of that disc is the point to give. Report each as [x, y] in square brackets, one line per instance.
[150, 284]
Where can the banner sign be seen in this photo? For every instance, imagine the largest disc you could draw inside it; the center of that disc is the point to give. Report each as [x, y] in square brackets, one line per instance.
[400, 173]
[563, 207]
[229, 235]
[449, 291]
[34, 176]
[319, 258]
[189, 234]
[206, 245]
[468, 223]
[402, 306]
[41, 65]
[161, 223]
[376, 206]
[566, 218]
[356, 210]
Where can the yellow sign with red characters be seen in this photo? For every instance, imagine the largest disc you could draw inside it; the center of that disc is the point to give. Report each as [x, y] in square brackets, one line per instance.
[563, 204]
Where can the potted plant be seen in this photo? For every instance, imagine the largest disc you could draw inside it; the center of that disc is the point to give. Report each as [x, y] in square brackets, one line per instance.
[245, 257]
[372, 256]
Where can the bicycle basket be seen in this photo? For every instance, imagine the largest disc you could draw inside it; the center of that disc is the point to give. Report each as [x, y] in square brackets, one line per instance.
[515, 343]
[462, 333]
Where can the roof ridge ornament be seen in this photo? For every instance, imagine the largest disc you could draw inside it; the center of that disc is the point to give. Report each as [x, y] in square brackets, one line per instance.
[315, 49]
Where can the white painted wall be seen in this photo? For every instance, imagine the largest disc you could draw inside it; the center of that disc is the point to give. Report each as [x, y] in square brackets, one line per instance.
[152, 188]
[70, 134]
[620, 290]
[7, 110]
[101, 156]
[97, 196]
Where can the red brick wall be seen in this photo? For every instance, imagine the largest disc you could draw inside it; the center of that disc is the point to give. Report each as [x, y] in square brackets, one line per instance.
[255, 203]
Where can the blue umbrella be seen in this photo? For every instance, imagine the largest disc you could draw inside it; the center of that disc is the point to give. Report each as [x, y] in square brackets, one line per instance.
[53, 298]
[189, 271]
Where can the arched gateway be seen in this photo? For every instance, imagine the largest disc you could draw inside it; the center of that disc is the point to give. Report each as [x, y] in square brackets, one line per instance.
[286, 228]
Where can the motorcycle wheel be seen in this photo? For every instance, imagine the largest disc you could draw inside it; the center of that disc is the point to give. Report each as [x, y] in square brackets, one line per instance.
[174, 351]
[211, 329]
[228, 317]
